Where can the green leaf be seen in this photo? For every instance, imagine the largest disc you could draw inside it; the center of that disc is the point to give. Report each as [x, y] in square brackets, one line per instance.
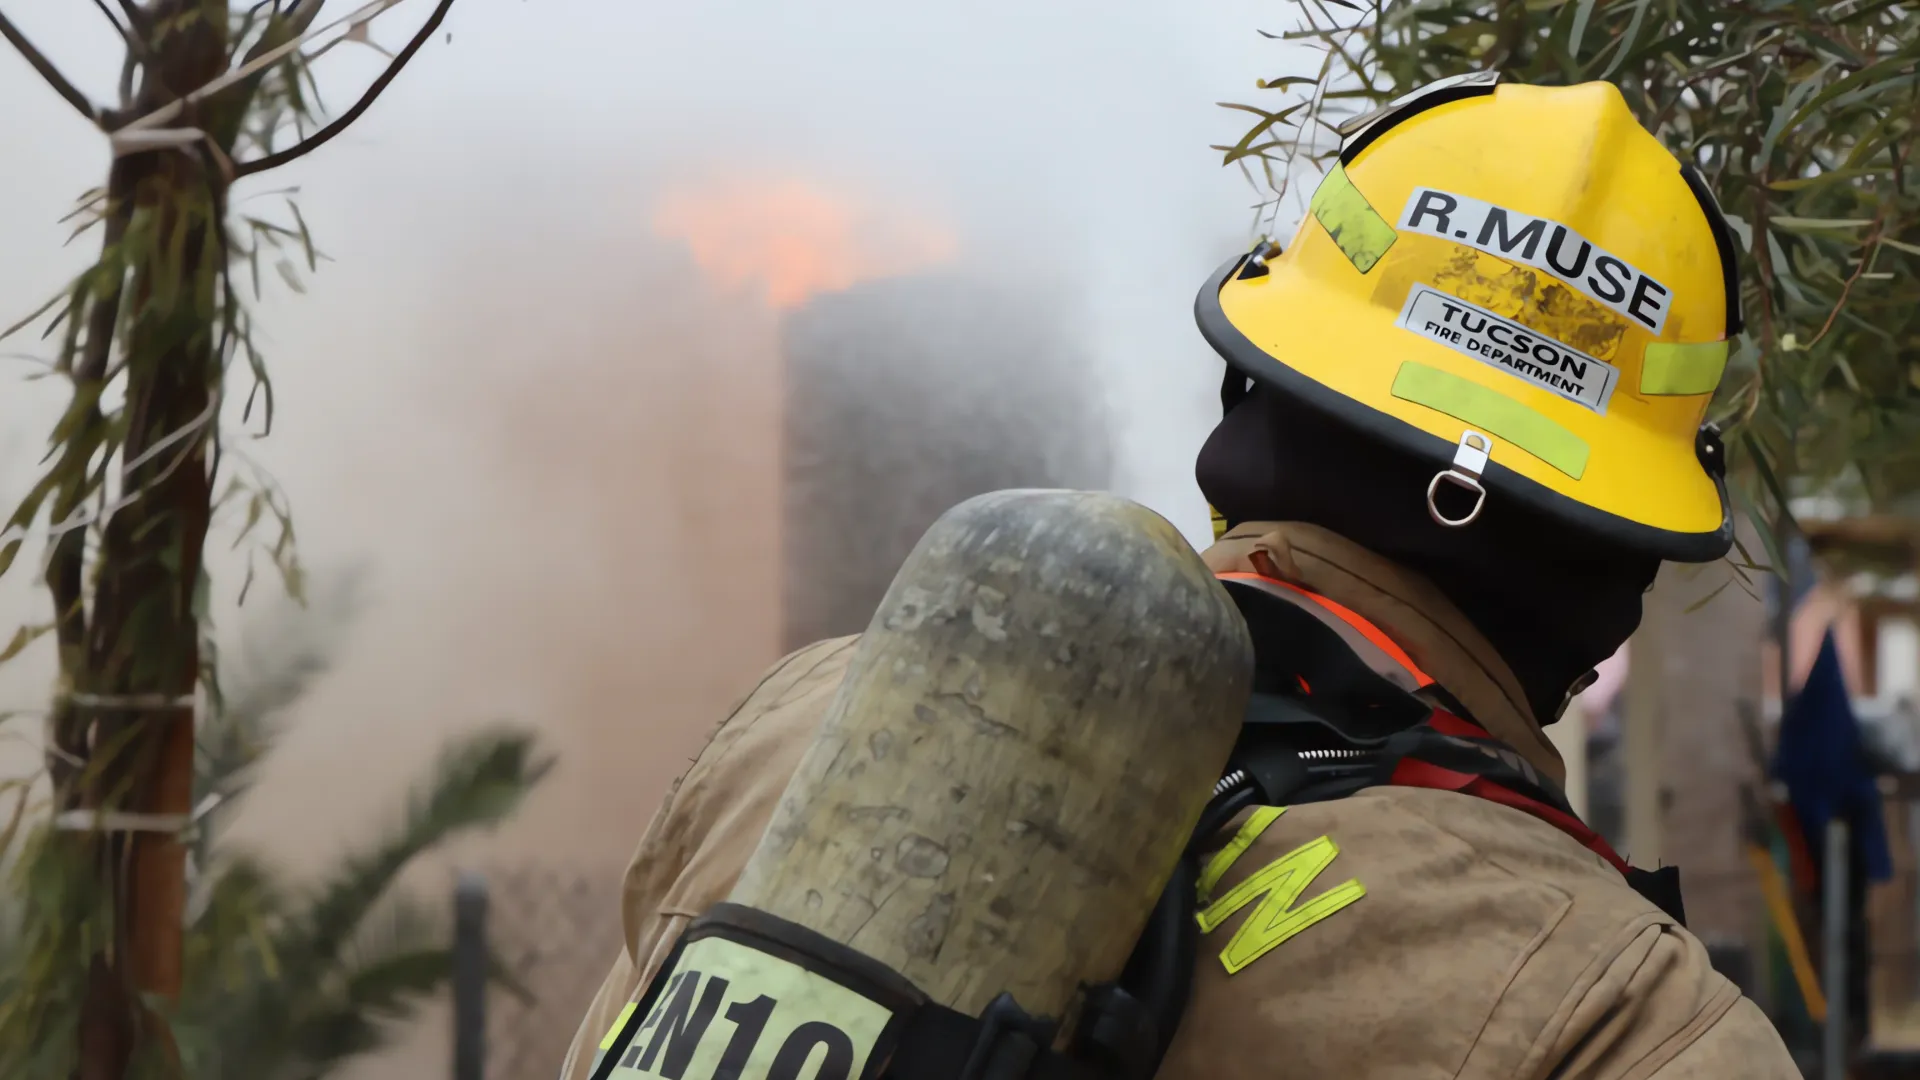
[389, 982]
[255, 507]
[1746, 558]
[1825, 178]
[1259, 150]
[306, 237]
[1581, 15]
[28, 509]
[1866, 76]
[1785, 112]
[21, 787]
[1783, 505]
[1874, 90]
[34, 315]
[1269, 118]
[23, 637]
[1628, 39]
[1765, 529]
[1243, 148]
[1839, 50]
[1806, 224]
[1709, 598]
[246, 582]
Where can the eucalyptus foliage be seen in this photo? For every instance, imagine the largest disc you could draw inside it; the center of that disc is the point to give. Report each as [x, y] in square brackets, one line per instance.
[152, 340]
[1801, 115]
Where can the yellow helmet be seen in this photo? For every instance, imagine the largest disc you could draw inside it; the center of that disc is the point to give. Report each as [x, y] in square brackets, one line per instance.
[1521, 283]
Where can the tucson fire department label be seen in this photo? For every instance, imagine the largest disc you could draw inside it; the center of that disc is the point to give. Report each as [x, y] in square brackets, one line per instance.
[730, 1011]
[1509, 346]
[1544, 245]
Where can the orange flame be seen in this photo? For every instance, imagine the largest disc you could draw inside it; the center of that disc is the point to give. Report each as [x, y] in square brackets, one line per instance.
[793, 240]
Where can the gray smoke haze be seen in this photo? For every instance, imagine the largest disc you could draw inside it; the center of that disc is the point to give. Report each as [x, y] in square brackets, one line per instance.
[553, 436]
[904, 397]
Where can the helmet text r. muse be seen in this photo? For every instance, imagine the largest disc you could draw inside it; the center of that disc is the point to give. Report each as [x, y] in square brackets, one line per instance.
[1544, 245]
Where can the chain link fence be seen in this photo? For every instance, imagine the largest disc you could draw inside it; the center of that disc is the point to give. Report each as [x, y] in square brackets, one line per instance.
[557, 931]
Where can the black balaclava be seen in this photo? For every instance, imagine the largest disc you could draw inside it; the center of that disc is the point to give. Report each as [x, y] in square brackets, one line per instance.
[1554, 601]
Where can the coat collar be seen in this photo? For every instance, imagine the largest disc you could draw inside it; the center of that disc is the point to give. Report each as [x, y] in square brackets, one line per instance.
[1407, 608]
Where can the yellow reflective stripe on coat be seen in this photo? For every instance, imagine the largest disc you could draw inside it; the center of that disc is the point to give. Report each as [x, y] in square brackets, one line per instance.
[606, 1042]
[1276, 887]
[1224, 858]
[612, 1036]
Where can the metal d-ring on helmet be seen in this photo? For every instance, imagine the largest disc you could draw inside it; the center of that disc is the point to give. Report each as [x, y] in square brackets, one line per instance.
[1469, 462]
[1522, 285]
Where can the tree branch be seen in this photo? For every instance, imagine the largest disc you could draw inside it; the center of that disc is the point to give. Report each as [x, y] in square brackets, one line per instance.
[47, 71]
[137, 51]
[1866, 260]
[108, 14]
[346, 119]
[136, 17]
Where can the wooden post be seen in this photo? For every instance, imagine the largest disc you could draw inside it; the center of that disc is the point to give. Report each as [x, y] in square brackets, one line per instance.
[1023, 742]
[1834, 919]
[470, 978]
[1569, 736]
[1640, 731]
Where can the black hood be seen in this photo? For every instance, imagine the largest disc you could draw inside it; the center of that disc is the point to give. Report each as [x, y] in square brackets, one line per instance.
[1553, 601]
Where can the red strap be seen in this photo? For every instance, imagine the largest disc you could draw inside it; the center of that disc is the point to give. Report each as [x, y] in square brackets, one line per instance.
[1352, 618]
[1446, 723]
[1411, 773]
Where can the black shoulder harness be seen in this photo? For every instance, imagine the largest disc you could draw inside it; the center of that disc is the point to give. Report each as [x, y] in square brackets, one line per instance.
[1323, 724]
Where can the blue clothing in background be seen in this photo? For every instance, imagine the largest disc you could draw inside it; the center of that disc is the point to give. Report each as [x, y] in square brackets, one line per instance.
[1823, 762]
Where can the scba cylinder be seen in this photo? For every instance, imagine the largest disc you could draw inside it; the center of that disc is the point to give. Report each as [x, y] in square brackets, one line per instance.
[1027, 732]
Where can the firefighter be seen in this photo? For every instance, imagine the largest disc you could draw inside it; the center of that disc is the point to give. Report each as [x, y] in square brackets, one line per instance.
[1463, 426]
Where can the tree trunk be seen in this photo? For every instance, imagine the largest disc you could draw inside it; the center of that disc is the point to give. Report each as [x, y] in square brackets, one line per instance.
[141, 660]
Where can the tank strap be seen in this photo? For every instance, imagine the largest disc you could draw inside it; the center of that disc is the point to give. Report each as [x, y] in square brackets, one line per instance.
[1450, 753]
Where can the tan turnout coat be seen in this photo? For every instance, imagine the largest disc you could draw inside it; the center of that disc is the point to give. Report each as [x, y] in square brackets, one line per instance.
[1482, 943]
